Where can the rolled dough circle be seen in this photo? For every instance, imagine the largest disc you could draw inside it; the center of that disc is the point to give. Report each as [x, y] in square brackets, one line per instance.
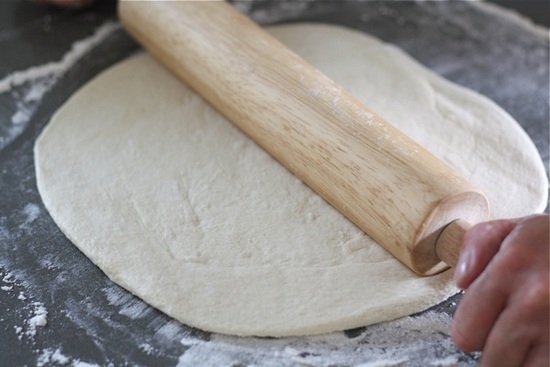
[180, 208]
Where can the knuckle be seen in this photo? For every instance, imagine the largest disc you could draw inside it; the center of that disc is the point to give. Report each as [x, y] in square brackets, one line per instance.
[536, 301]
[519, 259]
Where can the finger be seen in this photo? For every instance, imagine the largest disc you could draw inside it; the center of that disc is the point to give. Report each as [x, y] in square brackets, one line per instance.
[524, 322]
[508, 342]
[487, 295]
[538, 356]
[516, 278]
[533, 225]
[478, 311]
[480, 245]
[519, 338]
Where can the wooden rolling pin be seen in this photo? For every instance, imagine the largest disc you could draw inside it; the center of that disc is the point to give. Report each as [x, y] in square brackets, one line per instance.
[403, 197]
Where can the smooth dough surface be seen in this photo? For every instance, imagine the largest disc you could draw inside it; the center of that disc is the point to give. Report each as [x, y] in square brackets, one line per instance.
[179, 207]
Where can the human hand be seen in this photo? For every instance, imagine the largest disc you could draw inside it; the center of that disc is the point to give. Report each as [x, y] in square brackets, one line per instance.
[69, 4]
[504, 268]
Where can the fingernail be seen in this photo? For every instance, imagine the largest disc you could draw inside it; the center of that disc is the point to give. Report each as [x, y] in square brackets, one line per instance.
[462, 268]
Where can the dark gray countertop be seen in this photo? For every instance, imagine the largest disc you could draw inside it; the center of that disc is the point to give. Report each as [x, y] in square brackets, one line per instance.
[536, 10]
[89, 319]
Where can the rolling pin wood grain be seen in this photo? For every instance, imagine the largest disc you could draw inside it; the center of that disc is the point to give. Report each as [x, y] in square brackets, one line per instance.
[398, 193]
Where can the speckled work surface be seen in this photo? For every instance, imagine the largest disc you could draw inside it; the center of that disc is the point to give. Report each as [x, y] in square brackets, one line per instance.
[57, 308]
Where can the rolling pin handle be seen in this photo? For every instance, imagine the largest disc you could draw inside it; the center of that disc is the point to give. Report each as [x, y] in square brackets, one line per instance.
[449, 242]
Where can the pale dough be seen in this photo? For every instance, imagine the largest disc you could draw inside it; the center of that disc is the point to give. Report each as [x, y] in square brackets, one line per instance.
[177, 206]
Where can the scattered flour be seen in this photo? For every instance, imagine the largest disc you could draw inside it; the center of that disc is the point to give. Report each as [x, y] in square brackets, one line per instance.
[56, 68]
[34, 315]
[30, 212]
[8, 278]
[40, 319]
[451, 361]
[410, 341]
[79, 363]
[49, 357]
[129, 306]
[147, 348]
[19, 331]
[385, 363]
[28, 87]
